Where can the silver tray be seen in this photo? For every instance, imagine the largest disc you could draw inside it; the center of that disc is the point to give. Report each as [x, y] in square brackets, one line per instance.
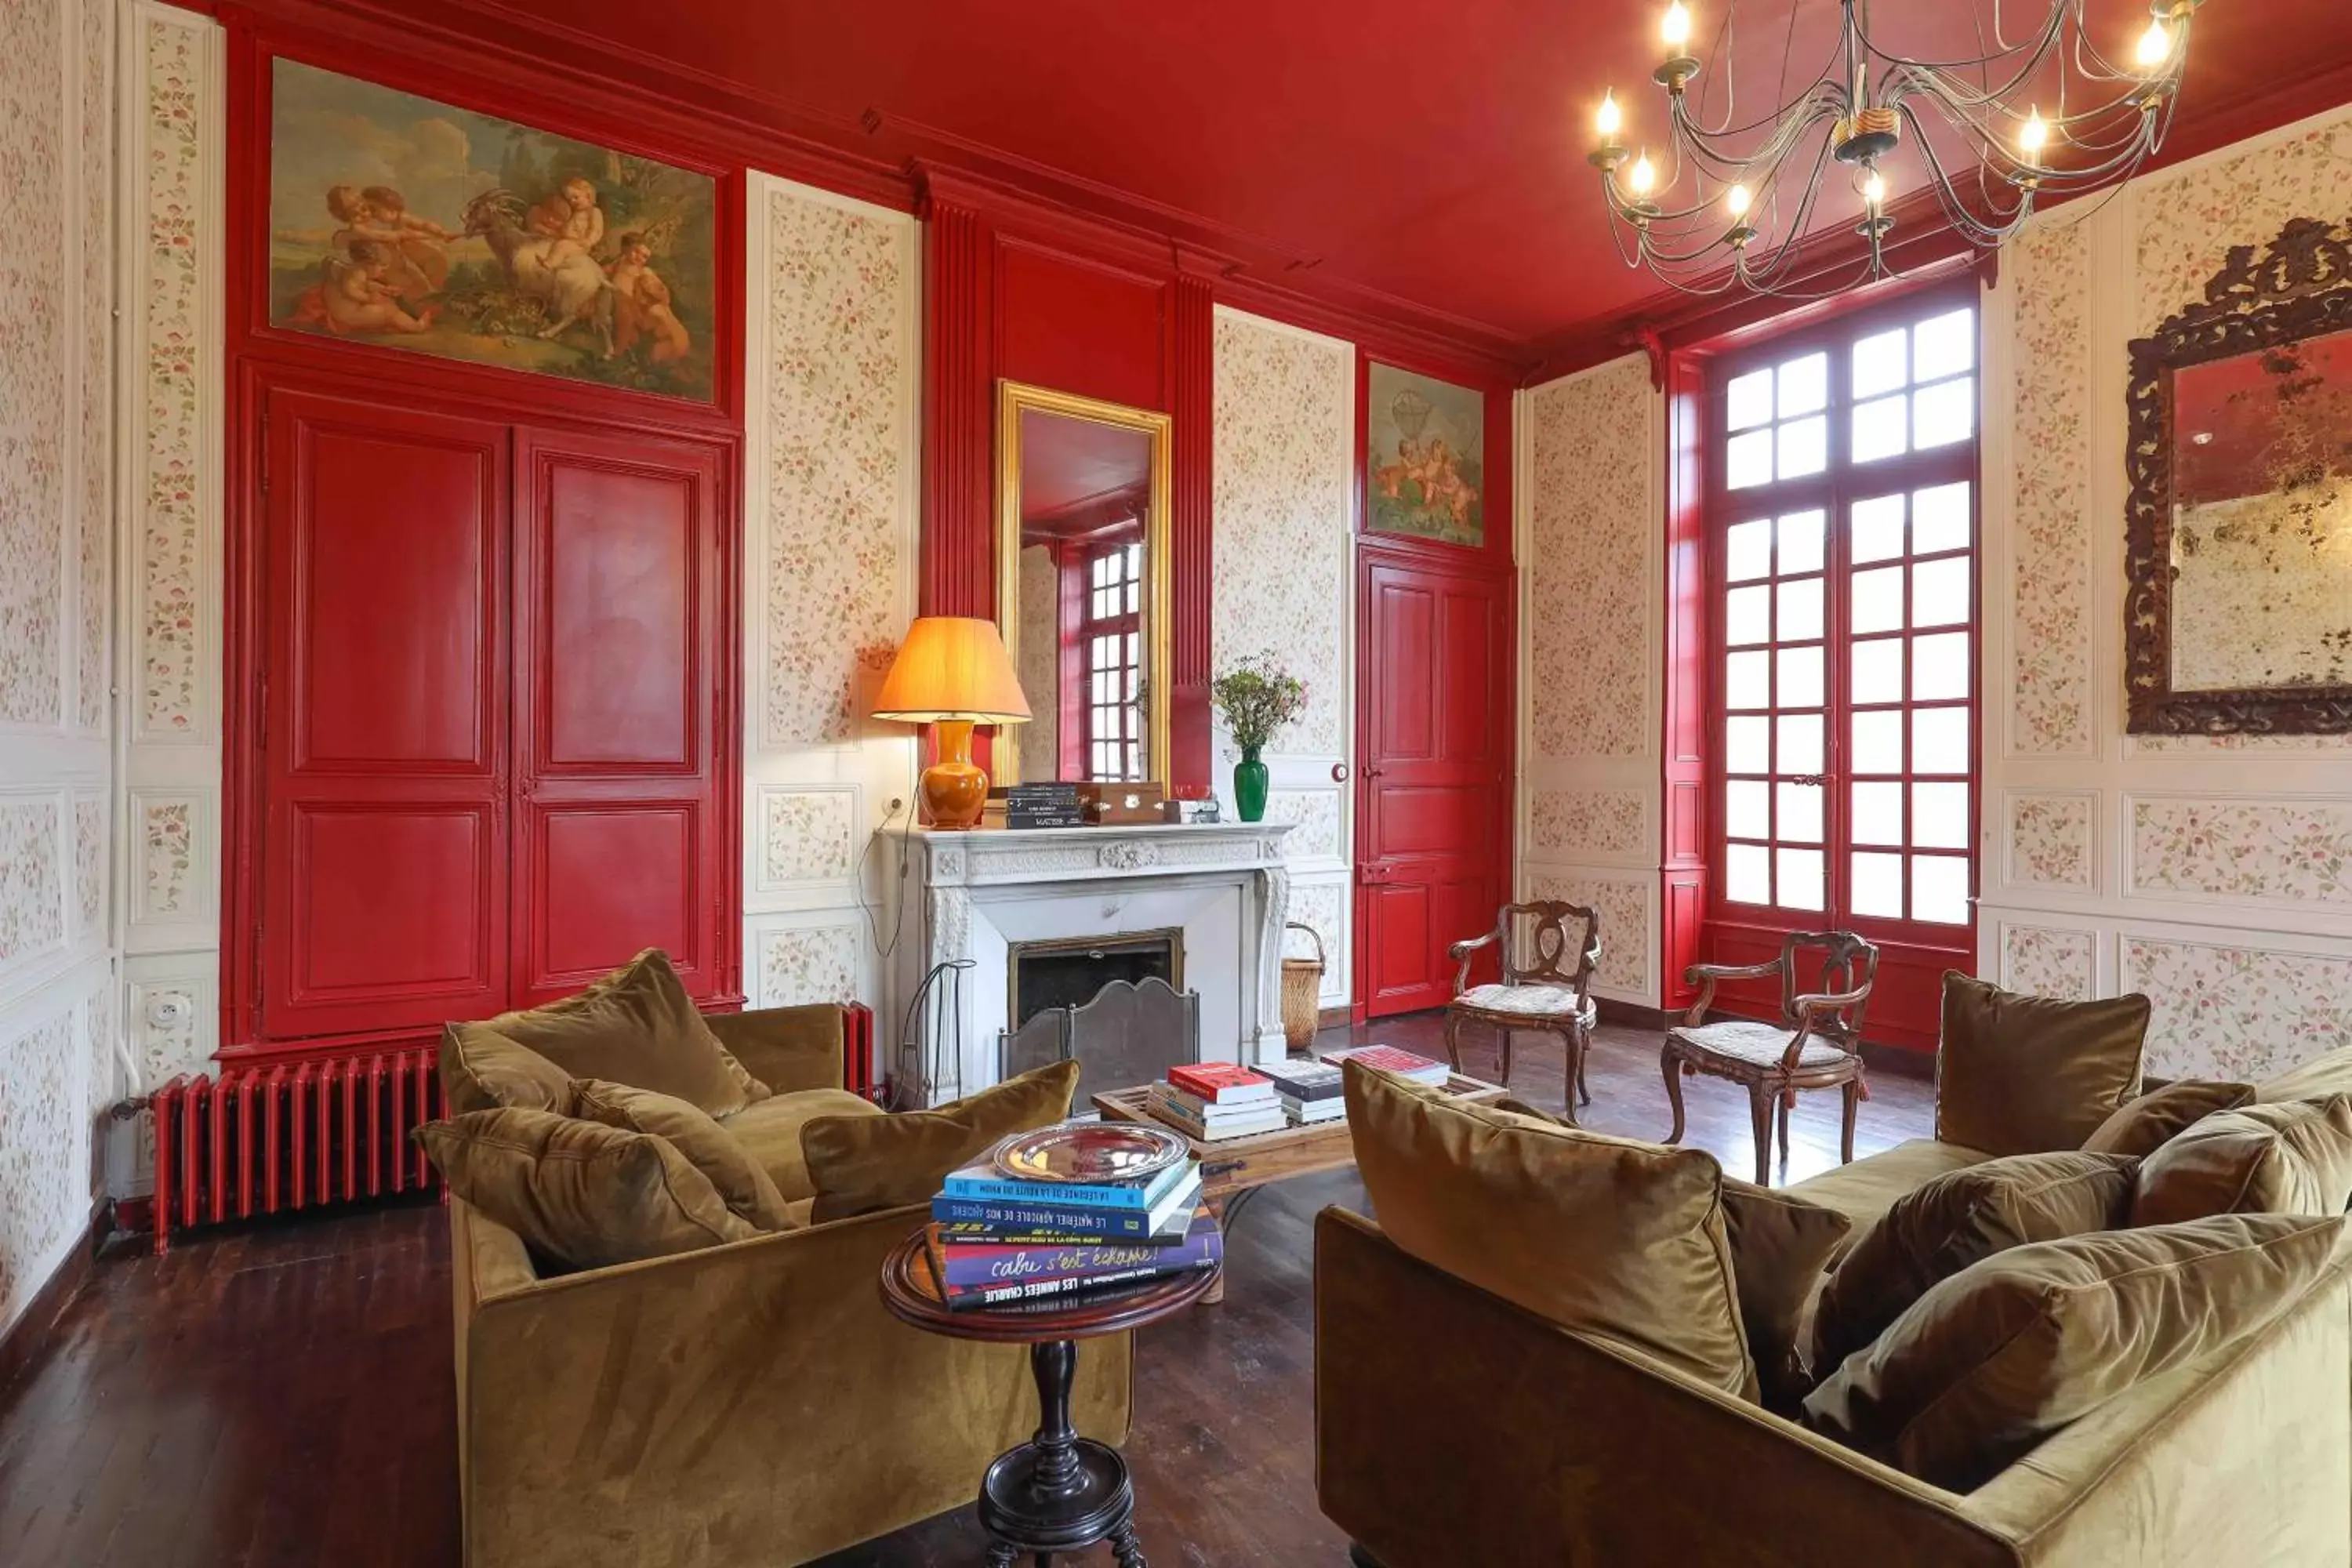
[1089, 1151]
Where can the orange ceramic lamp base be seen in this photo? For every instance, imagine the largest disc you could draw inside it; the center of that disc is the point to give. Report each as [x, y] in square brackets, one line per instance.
[954, 788]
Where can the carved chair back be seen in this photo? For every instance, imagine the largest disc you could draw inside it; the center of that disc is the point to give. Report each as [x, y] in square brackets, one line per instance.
[1847, 965]
[1548, 943]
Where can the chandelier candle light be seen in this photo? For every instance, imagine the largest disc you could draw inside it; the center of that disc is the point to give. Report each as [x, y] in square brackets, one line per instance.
[1753, 189]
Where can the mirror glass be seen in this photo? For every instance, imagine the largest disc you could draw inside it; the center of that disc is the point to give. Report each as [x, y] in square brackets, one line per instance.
[2260, 542]
[1081, 553]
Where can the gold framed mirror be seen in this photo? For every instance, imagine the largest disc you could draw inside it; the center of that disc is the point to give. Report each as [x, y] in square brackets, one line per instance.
[1082, 585]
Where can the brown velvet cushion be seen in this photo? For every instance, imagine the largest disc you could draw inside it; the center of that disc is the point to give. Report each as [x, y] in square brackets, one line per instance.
[2030, 1075]
[742, 1186]
[481, 1069]
[2322, 1077]
[2146, 1123]
[857, 1164]
[770, 1132]
[1621, 1240]
[2005, 1353]
[1780, 1242]
[2293, 1157]
[581, 1194]
[1954, 1221]
[637, 1026]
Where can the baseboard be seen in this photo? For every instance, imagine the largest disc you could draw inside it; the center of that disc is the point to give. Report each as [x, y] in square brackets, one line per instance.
[1900, 1061]
[1633, 1014]
[1335, 1018]
[30, 1331]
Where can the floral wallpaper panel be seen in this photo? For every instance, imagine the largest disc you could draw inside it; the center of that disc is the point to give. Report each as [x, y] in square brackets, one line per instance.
[32, 882]
[33, 265]
[95, 412]
[2050, 706]
[100, 1026]
[1624, 911]
[1322, 907]
[170, 1017]
[43, 1137]
[814, 964]
[839, 358]
[89, 863]
[1284, 466]
[1592, 516]
[2237, 1013]
[2043, 962]
[1581, 824]
[2299, 851]
[808, 836]
[167, 836]
[2049, 841]
[1316, 812]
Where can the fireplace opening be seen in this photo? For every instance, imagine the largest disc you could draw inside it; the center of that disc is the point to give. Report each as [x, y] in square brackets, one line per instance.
[1115, 1004]
[1068, 971]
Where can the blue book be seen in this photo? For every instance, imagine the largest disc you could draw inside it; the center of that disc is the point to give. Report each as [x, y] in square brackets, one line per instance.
[982, 1180]
[1074, 1219]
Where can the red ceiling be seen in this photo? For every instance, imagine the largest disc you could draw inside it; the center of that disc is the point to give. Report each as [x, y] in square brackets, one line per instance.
[1066, 463]
[1428, 152]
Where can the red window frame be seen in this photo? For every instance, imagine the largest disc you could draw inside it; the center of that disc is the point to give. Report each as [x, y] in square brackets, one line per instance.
[1125, 624]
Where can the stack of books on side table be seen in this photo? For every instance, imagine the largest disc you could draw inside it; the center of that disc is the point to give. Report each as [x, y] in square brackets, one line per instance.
[1406, 1065]
[1309, 1092]
[1209, 1102]
[994, 1240]
[1047, 805]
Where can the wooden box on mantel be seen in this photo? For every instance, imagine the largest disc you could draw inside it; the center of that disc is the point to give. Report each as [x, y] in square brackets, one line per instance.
[1121, 804]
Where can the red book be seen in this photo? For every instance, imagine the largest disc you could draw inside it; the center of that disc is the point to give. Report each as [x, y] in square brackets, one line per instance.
[1388, 1058]
[1221, 1083]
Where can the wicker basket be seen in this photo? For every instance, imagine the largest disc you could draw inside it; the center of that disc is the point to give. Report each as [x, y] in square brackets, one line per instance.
[1302, 991]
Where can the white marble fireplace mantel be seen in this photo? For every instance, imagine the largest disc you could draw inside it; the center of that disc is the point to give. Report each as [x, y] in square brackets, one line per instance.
[1223, 885]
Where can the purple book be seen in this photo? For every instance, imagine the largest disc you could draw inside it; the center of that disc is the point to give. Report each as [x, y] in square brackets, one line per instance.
[1007, 1272]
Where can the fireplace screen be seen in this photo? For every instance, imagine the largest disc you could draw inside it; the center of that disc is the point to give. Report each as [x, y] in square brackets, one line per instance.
[1113, 1005]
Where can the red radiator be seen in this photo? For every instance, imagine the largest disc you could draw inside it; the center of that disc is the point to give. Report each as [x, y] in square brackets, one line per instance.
[857, 1050]
[270, 1139]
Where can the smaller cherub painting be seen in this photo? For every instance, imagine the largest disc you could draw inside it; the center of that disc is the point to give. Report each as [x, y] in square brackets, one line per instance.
[1425, 452]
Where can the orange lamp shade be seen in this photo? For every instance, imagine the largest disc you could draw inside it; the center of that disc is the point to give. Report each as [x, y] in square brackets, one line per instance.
[951, 667]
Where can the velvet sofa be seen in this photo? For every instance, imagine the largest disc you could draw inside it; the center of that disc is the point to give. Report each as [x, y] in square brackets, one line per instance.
[746, 1404]
[1453, 1427]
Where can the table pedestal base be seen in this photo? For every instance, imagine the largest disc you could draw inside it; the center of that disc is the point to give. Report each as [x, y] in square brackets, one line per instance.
[1058, 1492]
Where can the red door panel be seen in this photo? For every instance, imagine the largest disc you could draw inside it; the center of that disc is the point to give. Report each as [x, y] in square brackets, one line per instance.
[619, 641]
[384, 693]
[1435, 794]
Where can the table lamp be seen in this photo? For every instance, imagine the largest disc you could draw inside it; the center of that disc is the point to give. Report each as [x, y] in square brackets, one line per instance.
[952, 673]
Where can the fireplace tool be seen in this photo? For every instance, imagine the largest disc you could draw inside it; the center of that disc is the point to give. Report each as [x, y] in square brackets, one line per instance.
[927, 1044]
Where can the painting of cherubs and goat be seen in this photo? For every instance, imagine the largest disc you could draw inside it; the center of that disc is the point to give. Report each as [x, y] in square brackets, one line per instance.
[397, 220]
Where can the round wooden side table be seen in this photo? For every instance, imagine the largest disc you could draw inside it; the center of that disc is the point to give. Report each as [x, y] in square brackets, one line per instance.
[1058, 1491]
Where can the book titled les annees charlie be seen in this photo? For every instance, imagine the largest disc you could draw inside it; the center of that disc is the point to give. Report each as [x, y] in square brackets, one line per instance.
[974, 1275]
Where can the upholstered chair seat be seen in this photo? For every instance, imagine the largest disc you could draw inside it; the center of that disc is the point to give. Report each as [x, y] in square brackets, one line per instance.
[1540, 1001]
[1743, 1039]
[1548, 954]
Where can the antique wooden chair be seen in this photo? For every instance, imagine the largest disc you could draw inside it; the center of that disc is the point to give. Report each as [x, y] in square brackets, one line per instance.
[1817, 1044]
[1547, 985]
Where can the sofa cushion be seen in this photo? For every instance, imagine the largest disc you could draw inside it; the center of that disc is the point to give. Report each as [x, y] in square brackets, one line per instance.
[637, 1026]
[2146, 1124]
[2008, 1350]
[2032, 1075]
[770, 1132]
[1622, 1241]
[859, 1164]
[482, 1069]
[1953, 1221]
[2322, 1077]
[746, 1189]
[1870, 1186]
[2291, 1157]
[581, 1194]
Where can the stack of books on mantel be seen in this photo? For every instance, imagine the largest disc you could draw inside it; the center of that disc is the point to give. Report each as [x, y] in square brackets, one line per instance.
[1406, 1065]
[1209, 1102]
[994, 1240]
[1044, 804]
[1310, 1092]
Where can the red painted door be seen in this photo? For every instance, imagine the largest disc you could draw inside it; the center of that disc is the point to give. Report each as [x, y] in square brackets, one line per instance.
[619, 651]
[383, 695]
[1434, 796]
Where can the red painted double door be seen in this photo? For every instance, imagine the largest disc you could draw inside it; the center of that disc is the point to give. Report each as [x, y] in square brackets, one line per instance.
[493, 661]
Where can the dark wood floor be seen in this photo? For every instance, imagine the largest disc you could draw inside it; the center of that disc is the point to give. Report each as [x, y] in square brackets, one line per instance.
[281, 1394]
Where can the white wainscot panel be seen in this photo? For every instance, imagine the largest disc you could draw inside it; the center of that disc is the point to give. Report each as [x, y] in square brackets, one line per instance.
[808, 836]
[2233, 1010]
[1625, 902]
[1318, 816]
[2233, 850]
[1322, 907]
[2049, 960]
[2051, 839]
[822, 961]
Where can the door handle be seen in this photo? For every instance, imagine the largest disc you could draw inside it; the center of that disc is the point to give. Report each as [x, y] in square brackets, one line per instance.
[1374, 773]
[1819, 781]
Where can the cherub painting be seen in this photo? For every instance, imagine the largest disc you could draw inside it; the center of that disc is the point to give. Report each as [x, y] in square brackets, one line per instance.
[1424, 454]
[401, 221]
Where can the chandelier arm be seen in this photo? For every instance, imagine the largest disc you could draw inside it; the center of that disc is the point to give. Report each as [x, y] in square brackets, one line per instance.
[2052, 28]
[1995, 155]
[1791, 129]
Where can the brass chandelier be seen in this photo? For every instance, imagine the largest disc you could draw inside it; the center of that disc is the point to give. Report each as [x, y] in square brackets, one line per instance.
[1753, 188]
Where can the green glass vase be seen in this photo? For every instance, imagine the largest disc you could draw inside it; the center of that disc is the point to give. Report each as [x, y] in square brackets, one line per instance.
[1250, 782]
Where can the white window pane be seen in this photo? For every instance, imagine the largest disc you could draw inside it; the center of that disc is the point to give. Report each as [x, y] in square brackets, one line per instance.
[1747, 680]
[1877, 814]
[1877, 671]
[1939, 741]
[1939, 889]
[1799, 881]
[1747, 460]
[1879, 363]
[1747, 745]
[1877, 885]
[1944, 413]
[1801, 743]
[1804, 447]
[1801, 812]
[1746, 809]
[1879, 428]
[1944, 345]
[1877, 529]
[1799, 673]
[1940, 667]
[1134, 596]
[1134, 643]
[1747, 400]
[1877, 743]
[1748, 550]
[1801, 611]
[1747, 615]
[1104, 688]
[1940, 591]
[1800, 542]
[1804, 384]
[1877, 600]
[1939, 816]
[1939, 519]
[1748, 873]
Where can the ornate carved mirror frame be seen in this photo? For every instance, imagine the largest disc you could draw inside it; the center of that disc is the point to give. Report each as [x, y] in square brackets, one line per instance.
[2299, 288]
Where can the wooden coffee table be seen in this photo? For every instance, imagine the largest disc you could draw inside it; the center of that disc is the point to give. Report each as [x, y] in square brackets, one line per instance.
[1232, 1168]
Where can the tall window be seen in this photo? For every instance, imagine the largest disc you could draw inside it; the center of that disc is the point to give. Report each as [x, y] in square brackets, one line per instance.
[1844, 522]
[1112, 635]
